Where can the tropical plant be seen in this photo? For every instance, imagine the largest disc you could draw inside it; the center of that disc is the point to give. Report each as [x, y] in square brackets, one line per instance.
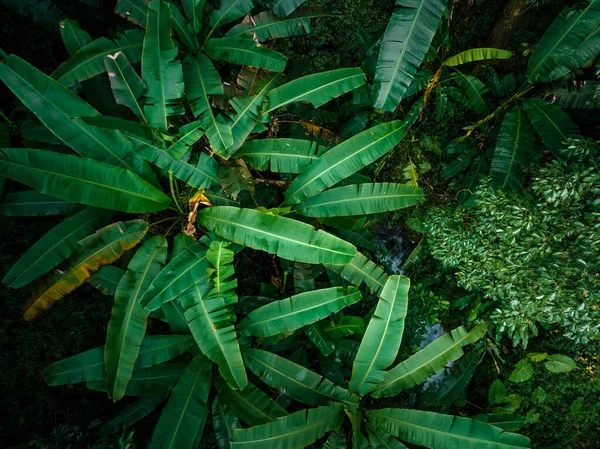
[122, 166]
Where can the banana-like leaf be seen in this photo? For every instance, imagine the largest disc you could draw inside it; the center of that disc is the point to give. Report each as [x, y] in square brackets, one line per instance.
[224, 421]
[475, 90]
[578, 95]
[210, 321]
[183, 271]
[54, 247]
[512, 155]
[295, 431]
[189, 134]
[550, 122]
[251, 405]
[159, 379]
[284, 8]
[297, 311]
[434, 430]
[430, 360]
[136, 11]
[560, 49]
[316, 333]
[318, 88]
[200, 176]
[83, 181]
[268, 26]
[89, 60]
[502, 421]
[56, 107]
[477, 54]
[107, 279]
[381, 342]
[361, 199]
[127, 86]
[184, 29]
[30, 203]
[336, 440]
[73, 36]
[128, 321]
[294, 380]
[382, 440]
[89, 365]
[182, 421]
[285, 237]
[131, 414]
[358, 439]
[405, 44]
[161, 72]
[202, 80]
[242, 51]
[229, 11]
[117, 123]
[101, 248]
[193, 10]
[359, 270]
[280, 155]
[36, 131]
[344, 160]
[455, 383]
[249, 112]
[346, 326]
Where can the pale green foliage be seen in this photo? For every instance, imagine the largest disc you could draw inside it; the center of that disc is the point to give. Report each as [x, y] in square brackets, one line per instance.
[534, 253]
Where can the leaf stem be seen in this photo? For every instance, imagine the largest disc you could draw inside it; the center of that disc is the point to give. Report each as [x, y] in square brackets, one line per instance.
[162, 221]
[173, 195]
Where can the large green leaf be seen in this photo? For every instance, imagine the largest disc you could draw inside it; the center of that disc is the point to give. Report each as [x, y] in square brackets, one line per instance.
[361, 199]
[297, 311]
[127, 86]
[475, 90]
[161, 72]
[101, 248]
[202, 80]
[243, 51]
[224, 421]
[249, 111]
[54, 247]
[558, 363]
[268, 26]
[193, 10]
[382, 440]
[362, 270]
[184, 29]
[159, 379]
[88, 61]
[127, 324]
[136, 11]
[405, 44]
[89, 365]
[318, 88]
[344, 160]
[381, 342]
[285, 237]
[182, 421]
[280, 155]
[229, 11]
[200, 176]
[250, 404]
[560, 49]
[83, 181]
[294, 380]
[139, 409]
[30, 203]
[184, 270]
[295, 431]
[430, 360]
[552, 124]
[210, 322]
[285, 7]
[477, 54]
[513, 152]
[455, 383]
[56, 107]
[107, 279]
[189, 134]
[437, 431]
